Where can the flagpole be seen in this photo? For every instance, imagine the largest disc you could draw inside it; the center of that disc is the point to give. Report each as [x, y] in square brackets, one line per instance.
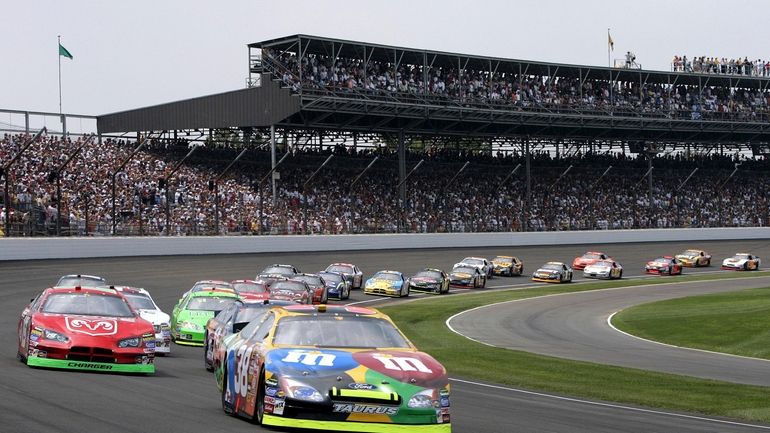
[609, 65]
[58, 54]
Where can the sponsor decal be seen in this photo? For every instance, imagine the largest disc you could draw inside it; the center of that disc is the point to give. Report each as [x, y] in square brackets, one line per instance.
[34, 337]
[364, 386]
[150, 344]
[271, 382]
[364, 408]
[269, 408]
[269, 400]
[89, 365]
[271, 391]
[278, 407]
[444, 401]
[37, 331]
[310, 358]
[91, 327]
[402, 363]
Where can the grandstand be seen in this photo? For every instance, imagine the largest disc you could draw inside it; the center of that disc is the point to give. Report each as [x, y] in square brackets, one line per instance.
[548, 147]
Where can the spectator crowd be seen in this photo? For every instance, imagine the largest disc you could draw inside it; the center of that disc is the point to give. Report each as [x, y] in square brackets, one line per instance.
[485, 87]
[724, 66]
[478, 200]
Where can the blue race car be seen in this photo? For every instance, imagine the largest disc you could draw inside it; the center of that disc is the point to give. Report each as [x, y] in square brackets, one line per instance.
[388, 283]
[337, 286]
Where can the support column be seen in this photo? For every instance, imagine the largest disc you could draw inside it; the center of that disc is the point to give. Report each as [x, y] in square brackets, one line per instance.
[272, 161]
[401, 176]
[649, 181]
[529, 182]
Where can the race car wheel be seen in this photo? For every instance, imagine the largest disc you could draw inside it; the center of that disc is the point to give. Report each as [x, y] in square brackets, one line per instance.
[325, 298]
[346, 292]
[407, 291]
[206, 362]
[746, 266]
[620, 275]
[259, 403]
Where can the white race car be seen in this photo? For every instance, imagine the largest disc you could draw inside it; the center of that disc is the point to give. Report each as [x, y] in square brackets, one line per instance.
[606, 269]
[481, 263]
[742, 262]
[141, 301]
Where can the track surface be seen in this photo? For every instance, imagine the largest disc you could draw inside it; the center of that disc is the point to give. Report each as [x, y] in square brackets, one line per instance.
[182, 395]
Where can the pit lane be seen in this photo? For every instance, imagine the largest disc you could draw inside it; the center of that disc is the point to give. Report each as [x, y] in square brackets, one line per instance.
[182, 395]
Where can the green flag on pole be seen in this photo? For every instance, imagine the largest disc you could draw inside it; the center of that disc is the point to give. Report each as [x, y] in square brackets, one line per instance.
[63, 52]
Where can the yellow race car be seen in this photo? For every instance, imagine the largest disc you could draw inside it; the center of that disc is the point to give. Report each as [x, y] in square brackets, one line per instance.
[694, 258]
[507, 265]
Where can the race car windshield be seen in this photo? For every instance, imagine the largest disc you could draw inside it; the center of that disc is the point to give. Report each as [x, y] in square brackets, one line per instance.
[278, 270]
[503, 260]
[250, 314]
[473, 261]
[661, 259]
[603, 264]
[202, 286]
[80, 281]
[343, 269]
[552, 266]
[691, 253]
[740, 256]
[209, 303]
[428, 274]
[338, 331]
[387, 276]
[294, 286]
[464, 270]
[591, 256]
[250, 288]
[310, 280]
[332, 278]
[87, 304]
[139, 302]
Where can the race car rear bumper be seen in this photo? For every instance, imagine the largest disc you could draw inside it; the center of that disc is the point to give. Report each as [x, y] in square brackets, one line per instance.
[352, 426]
[36, 361]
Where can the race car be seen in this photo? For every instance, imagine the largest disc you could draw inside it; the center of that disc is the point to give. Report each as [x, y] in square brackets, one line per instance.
[82, 328]
[297, 291]
[589, 258]
[694, 258]
[553, 272]
[189, 317]
[742, 262]
[271, 273]
[251, 290]
[229, 321]
[608, 269]
[387, 283]
[466, 275]
[320, 294]
[507, 265]
[480, 262]
[664, 265]
[429, 280]
[79, 280]
[333, 368]
[351, 272]
[336, 285]
[141, 301]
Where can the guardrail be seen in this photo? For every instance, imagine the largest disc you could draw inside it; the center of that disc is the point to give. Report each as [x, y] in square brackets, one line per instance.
[74, 247]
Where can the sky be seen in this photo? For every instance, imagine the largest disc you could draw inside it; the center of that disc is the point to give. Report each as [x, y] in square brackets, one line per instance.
[130, 54]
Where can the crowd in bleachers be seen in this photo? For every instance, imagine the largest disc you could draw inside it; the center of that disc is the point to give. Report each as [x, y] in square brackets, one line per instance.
[476, 201]
[724, 66]
[486, 87]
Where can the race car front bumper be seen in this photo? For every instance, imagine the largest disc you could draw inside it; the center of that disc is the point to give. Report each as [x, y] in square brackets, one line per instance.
[352, 426]
[189, 337]
[144, 368]
[389, 291]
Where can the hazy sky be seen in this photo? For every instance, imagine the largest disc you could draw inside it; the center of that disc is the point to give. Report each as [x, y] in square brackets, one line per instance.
[129, 54]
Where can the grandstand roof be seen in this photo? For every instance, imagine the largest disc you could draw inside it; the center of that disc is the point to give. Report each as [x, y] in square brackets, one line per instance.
[335, 110]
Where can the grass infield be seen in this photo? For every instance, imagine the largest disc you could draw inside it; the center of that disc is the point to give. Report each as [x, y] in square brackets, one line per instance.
[424, 323]
[736, 322]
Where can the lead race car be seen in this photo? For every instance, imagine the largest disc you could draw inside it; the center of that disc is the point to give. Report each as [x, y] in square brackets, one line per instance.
[607, 269]
[340, 368]
[189, 317]
[742, 262]
[694, 258]
[387, 283]
[92, 329]
[507, 265]
[429, 280]
[665, 265]
[553, 272]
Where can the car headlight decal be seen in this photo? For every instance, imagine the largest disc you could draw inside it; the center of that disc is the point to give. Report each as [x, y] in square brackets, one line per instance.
[300, 391]
[130, 342]
[424, 399]
[55, 336]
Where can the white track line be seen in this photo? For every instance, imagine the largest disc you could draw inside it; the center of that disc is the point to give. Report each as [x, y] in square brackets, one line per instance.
[609, 322]
[613, 406]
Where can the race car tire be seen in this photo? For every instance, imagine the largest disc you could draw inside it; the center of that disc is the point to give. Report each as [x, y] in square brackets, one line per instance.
[620, 275]
[746, 266]
[259, 401]
[346, 293]
[325, 299]
[407, 292]
[484, 283]
[209, 367]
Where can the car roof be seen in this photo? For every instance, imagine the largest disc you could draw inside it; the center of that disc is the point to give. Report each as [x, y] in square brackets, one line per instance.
[341, 264]
[385, 271]
[554, 263]
[247, 281]
[130, 289]
[89, 290]
[210, 282]
[504, 257]
[279, 265]
[593, 252]
[474, 258]
[430, 269]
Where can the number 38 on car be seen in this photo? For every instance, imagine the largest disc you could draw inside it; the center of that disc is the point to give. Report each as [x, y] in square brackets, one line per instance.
[339, 368]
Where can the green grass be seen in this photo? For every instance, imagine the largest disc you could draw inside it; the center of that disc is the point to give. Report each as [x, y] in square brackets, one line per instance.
[736, 322]
[424, 323]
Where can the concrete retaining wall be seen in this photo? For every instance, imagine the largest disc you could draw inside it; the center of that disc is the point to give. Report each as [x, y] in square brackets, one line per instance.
[55, 248]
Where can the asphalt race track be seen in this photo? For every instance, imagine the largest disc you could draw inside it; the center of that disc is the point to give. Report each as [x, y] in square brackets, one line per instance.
[575, 326]
[182, 396]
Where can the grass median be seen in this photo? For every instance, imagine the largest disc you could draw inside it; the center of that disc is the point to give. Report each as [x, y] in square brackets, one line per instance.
[735, 322]
[424, 323]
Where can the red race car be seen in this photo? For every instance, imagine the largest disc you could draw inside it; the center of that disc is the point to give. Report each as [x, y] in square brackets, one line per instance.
[93, 329]
[317, 285]
[665, 265]
[588, 259]
[251, 290]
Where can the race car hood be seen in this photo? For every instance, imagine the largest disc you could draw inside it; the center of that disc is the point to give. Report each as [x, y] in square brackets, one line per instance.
[657, 264]
[733, 261]
[286, 294]
[251, 297]
[360, 369]
[381, 283]
[501, 264]
[584, 261]
[75, 327]
[596, 268]
[686, 256]
[546, 271]
[156, 317]
[199, 317]
[424, 280]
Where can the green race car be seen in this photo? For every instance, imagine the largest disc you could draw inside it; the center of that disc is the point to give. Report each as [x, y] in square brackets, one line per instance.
[189, 317]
